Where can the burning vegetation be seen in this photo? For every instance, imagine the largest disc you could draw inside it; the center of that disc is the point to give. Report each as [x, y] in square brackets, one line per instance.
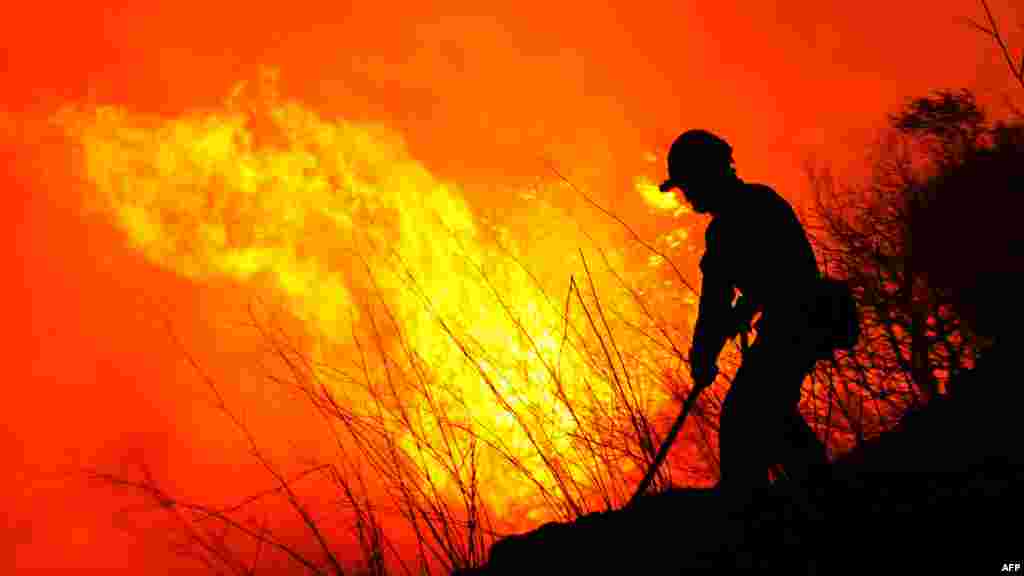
[473, 385]
[466, 385]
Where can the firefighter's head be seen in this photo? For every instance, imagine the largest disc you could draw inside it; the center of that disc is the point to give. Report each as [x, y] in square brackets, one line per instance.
[701, 165]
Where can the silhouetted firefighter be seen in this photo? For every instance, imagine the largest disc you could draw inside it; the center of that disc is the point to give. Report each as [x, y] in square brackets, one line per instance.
[755, 245]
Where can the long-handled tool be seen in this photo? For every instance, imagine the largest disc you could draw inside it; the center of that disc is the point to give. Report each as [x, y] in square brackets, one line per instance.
[691, 399]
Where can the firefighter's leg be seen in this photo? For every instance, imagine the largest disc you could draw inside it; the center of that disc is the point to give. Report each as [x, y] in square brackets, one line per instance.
[741, 437]
[803, 455]
[745, 444]
[805, 458]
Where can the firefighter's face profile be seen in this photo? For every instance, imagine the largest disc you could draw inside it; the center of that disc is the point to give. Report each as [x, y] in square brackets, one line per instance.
[698, 190]
[700, 187]
[697, 198]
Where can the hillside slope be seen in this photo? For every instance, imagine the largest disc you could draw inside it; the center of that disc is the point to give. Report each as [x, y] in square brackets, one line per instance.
[940, 490]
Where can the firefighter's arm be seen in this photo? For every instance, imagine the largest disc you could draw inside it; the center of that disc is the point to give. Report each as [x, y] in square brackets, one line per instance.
[715, 320]
[713, 328]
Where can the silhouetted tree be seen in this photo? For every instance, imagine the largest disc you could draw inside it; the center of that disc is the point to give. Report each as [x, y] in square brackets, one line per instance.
[938, 211]
[935, 216]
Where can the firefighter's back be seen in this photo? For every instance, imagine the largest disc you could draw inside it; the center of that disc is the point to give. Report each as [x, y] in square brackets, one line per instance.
[773, 262]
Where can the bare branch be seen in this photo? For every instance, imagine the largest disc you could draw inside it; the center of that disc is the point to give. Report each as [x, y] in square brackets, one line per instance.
[983, 29]
[1017, 71]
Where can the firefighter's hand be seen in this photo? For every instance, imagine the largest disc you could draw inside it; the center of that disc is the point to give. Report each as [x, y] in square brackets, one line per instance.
[702, 372]
[744, 322]
[742, 316]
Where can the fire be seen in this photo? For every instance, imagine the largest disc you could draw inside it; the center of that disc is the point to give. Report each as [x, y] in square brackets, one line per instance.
[341, 221]
[659, 201]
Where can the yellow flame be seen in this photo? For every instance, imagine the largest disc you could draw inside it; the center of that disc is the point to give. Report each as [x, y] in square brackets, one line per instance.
[270, 193]
[658, 200]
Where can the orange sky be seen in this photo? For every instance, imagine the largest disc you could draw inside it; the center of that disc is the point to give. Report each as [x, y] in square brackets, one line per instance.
[478, 97]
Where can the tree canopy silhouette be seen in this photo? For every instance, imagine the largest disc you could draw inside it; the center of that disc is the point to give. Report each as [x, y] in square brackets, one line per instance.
[931, 243]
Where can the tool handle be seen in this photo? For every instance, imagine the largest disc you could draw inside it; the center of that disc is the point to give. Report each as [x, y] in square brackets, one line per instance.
[691, 399]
